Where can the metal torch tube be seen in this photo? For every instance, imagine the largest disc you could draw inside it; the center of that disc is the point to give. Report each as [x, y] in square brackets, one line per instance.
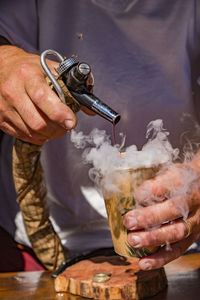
[95, 104]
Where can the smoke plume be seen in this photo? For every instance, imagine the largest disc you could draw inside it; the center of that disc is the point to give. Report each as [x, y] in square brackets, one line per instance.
[157, 155]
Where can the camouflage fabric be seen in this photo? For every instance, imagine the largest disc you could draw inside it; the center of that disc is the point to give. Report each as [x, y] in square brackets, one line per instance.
[31, 191]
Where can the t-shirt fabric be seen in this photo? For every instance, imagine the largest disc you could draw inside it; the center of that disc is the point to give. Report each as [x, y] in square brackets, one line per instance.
[144, 56]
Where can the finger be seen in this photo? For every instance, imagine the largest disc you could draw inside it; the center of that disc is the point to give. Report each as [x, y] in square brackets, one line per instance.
[163, 256]
[156, 188]
[11, 121]
[11, 130]
[168, 233]
[154, 215]
[34, 121]
[166, 184]
[37, 121]
[47, 101]
[19, 130]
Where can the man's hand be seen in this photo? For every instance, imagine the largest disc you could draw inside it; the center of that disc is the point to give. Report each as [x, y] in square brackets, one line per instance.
[29, 109]
[171, 195]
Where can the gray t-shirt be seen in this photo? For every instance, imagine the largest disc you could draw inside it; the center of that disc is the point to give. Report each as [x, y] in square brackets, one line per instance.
[144, 56]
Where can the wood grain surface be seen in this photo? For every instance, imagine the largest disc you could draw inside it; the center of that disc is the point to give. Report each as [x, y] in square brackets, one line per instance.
[183, 283]
[126, 281]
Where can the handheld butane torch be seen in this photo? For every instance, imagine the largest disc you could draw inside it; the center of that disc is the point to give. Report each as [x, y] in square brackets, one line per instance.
[75, 75]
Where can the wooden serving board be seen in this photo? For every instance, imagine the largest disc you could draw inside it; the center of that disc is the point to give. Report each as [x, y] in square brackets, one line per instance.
[126, 281]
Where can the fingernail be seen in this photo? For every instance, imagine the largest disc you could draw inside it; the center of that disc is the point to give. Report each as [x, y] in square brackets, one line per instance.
[69, 124]
[135, 240]
[145, 265]
[130, 222]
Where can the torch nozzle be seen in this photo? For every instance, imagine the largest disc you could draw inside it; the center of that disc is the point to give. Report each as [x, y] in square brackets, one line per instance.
[90, 101]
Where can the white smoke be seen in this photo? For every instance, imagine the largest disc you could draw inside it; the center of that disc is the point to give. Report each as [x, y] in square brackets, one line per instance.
[105, 158]
[157, 152]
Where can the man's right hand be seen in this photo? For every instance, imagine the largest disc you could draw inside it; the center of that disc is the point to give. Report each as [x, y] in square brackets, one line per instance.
[29, 109]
